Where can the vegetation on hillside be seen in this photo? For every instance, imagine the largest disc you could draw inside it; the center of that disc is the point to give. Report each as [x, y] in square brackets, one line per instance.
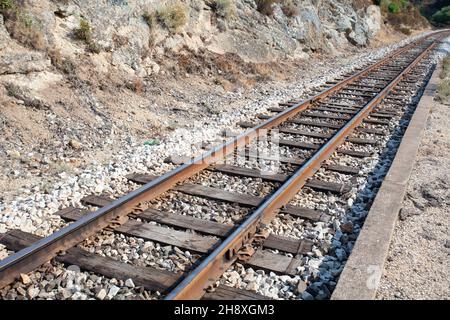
[445, 68]
[444, 86]
[84, 33]
[266, 7]
[6, 4]
[442, 17]
[403, 15]
[430, 9]
[172, 17]
[21, 25]
[222, 8]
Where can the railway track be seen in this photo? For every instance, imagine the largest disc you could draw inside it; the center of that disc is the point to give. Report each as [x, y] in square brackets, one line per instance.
[346, 119]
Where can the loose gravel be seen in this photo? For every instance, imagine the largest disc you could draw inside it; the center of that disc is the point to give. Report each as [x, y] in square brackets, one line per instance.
[333, 241]
[417, 262]
[33, 212]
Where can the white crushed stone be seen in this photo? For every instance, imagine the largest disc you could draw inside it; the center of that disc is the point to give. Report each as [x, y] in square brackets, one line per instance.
[33, 212]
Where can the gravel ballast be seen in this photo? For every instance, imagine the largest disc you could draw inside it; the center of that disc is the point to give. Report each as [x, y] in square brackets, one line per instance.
[417, 263]
[34, 212]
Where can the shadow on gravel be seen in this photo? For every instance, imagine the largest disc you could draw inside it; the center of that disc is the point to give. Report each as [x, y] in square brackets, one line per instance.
[352, 221]
[444, 50]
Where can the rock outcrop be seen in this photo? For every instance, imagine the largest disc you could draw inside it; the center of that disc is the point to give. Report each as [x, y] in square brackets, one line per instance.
[125, 40]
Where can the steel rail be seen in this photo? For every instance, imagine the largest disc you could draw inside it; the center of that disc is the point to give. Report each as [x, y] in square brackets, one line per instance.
[45, 249]
[224, 255]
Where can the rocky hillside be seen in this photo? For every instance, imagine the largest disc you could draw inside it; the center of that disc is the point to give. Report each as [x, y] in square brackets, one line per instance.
[131, 34]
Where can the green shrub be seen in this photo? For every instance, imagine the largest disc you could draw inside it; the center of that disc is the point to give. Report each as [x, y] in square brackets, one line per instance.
[84, 32]
[401, 14]
[6, 4]
[442, 16]
[394, 8]
[404, 4]
[383, 5]
[173, 17]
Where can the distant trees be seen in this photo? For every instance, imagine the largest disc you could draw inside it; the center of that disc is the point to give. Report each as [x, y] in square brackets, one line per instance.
[442, 16]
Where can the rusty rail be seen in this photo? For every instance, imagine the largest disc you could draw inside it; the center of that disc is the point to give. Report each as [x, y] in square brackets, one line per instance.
[45, 249]
[207, 272]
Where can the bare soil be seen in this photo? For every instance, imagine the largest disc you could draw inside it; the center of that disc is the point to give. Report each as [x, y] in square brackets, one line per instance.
[417, 266]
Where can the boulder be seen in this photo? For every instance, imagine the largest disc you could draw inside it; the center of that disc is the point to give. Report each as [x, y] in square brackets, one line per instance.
[344, 23]
[358, 36]
[373, 20]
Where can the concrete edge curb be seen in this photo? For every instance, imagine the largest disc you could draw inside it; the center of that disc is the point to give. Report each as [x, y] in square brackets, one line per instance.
[363, 270]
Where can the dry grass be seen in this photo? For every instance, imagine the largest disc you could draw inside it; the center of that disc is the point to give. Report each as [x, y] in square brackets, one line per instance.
[443, 94]
[24, 95]
[267, 7]
[228, 70]
[120, 41]
[289, 8]
[93, 47]
[362, 4]
[55, 57]
[222, 8]
[27, 29]
[21, 25]
[84, 33]
[60, 167]
[28, 36]
[410, 18]
[444, 91]
[62, 64]
[173, 16]
[405, 30]
[445, 68]
[150, 19]
[138, 85]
